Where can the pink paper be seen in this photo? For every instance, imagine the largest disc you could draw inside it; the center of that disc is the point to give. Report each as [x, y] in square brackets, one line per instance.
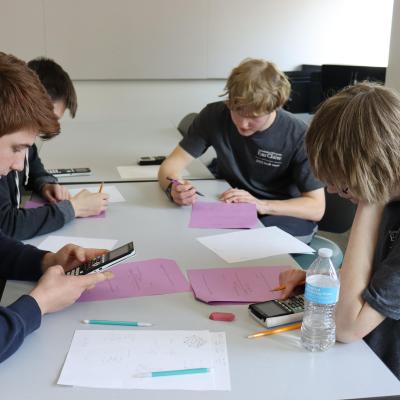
[40, 202]
[142, 278]
[237, 285]
[223, 215]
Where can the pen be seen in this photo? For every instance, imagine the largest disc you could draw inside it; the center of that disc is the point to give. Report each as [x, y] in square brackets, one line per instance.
[101, 187]
[156, 374]
[176, 182]
[120, 323]
[276, 330]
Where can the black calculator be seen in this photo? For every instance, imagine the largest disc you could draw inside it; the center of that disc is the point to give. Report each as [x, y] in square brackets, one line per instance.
[105, 261]
[69, 171]
[278, 312]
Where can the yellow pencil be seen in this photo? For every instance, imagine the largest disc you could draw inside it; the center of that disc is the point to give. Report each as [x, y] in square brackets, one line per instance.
[276, 330]
[101, 187]
[278, 288]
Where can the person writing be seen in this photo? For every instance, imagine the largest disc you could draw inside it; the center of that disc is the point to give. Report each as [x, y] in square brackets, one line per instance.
[30, 175]
[260, 152]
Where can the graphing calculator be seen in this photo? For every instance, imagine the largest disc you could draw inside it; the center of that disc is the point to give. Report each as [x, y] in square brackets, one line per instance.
[151, 160]
[278, 312]
[105, 261]
[69, 171]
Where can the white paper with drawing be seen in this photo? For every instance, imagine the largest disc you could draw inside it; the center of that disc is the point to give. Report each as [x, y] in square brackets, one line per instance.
[112, 191]
[54, 243]
[111, 359]
[254, 243]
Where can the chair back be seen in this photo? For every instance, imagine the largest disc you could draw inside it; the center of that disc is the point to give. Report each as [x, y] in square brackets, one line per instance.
[184, 125]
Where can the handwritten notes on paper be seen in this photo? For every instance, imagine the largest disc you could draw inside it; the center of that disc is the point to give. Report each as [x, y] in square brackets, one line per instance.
[115, 195]
[140, 278]
[112, 359]
[254, 243]
[217, 214]
[238, 285]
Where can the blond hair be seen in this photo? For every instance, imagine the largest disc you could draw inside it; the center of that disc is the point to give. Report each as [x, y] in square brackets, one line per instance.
[256, 87]
[354, 141]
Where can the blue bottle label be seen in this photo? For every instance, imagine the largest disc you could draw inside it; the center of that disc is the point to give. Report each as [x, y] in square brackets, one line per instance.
[321, 295]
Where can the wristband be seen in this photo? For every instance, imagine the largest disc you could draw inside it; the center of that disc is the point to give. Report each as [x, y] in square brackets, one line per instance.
[168, 191]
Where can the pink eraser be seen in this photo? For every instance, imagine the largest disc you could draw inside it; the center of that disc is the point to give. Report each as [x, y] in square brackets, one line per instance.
[222, 316]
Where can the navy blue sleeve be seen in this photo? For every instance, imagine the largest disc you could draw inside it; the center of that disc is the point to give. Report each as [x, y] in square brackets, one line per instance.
[22, 224]
[16, 322]
[23, 262]
[38, 176]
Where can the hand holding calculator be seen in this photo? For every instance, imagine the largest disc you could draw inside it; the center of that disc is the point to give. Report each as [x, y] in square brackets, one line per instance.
[104, 261]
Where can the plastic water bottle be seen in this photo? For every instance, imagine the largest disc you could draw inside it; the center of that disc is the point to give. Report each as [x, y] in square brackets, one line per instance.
[318, 331]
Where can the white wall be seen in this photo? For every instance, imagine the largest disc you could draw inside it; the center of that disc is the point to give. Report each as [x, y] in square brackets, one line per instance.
[194, 39]
[393, 71]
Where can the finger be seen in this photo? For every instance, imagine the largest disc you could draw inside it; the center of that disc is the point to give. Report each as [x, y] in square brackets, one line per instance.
[92, 253]
[92, 280]
[77, 252]
[183, 188]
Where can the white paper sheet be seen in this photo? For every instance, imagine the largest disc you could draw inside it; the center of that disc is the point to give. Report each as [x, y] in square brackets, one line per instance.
[254, 243]
[112, 191]
[142, 172]
[111, 359]
[54, 243]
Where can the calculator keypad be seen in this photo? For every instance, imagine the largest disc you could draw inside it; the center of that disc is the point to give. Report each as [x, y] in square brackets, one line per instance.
[89, 266]
[292, 304]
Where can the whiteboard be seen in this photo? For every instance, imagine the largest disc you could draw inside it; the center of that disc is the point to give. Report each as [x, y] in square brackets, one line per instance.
[194, 39]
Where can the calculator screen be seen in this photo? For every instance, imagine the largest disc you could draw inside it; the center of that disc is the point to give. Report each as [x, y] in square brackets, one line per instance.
[270, 309]
[117, 253]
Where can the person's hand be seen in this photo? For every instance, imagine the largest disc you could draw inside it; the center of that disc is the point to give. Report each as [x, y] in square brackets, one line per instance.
[55, 290]
[183, 194]
[53, 192]
[290, 280]
[241, 196]
[86, 203]
[70, 256]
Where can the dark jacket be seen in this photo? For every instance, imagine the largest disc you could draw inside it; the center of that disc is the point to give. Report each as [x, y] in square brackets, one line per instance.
[20, 223]
[21, 262]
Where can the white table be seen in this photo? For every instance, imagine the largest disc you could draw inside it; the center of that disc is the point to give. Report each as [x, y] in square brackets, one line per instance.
[102, 146]
[273, 367]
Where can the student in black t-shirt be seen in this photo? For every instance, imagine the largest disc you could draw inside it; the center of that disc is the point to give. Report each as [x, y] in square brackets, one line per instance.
[260, 151]
[354, 145]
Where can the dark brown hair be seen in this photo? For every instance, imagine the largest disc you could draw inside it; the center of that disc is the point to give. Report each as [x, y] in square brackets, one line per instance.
[24, 103]
[56, 81]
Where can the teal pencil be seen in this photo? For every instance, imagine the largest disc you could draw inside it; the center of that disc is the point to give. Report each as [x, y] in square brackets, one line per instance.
[120, 323]
[157, 374]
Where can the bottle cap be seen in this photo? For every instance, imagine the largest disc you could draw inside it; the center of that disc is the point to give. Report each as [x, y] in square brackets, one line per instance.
[325, 253]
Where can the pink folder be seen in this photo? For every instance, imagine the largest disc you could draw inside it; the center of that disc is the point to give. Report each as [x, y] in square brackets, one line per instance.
[218, 214]
[235, 285]
[141, 278]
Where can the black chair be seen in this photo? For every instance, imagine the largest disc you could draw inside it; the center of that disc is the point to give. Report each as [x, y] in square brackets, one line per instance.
[2, 286]
[338, 218]
[185, 123]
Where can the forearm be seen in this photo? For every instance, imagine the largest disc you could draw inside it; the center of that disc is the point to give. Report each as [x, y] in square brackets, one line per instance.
[16, 322]
[301, 207]
[353, 316]
[173, 166]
